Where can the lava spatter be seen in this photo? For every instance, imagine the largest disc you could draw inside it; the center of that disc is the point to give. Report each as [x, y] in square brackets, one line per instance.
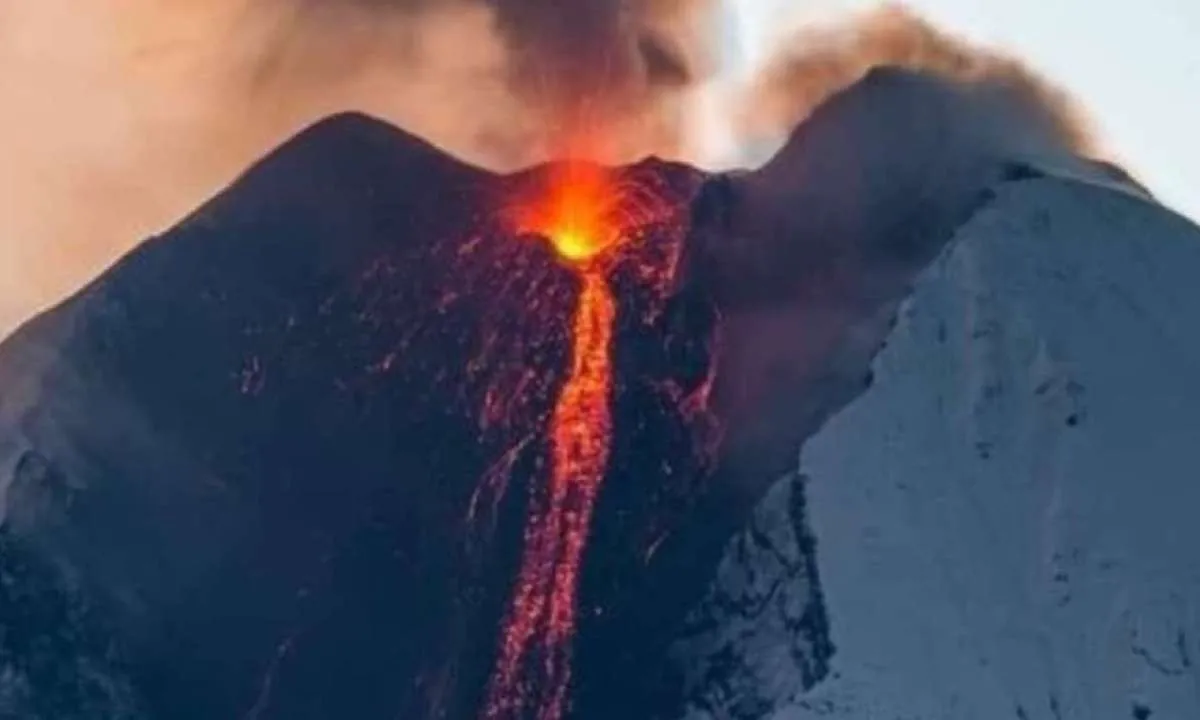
[587, 217]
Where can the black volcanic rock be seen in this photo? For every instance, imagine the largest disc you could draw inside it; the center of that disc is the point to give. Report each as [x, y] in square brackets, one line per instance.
[245, 457]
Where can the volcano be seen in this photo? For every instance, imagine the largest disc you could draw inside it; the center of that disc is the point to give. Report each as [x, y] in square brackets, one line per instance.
[302, 455]
[321, 406]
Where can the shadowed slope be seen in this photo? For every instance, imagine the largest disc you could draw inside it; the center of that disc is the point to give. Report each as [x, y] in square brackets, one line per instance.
[272, 422]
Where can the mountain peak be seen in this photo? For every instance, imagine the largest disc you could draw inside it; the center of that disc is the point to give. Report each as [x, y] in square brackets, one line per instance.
[353, 130]
[345, 147]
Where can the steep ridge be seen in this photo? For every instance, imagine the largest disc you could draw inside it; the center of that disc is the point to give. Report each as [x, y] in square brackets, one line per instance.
[1002, 521]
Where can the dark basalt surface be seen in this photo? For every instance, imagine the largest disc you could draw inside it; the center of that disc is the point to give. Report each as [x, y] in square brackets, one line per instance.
[244, 480]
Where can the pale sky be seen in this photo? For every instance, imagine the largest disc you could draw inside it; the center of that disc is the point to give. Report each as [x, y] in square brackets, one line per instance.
[114, 124]
[1134, 65]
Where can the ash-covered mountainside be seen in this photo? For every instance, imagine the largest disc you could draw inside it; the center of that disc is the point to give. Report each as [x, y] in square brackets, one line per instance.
[276, 463]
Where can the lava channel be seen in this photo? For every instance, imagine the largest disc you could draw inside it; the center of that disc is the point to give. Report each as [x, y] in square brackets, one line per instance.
[532, 676]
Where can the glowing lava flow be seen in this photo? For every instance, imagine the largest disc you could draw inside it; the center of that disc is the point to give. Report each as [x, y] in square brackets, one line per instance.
[533, 672]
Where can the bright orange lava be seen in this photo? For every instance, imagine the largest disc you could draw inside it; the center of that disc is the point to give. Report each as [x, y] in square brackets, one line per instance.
[533, 672]
[577, 214]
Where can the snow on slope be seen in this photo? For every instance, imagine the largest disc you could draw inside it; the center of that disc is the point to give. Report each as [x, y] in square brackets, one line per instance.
[1007, 523]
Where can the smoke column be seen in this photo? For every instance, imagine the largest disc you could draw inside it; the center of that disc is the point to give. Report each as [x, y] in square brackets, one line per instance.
[823, 59]
[120, 117]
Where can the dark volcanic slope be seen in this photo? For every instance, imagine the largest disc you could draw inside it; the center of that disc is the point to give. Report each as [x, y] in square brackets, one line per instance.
[246, 458]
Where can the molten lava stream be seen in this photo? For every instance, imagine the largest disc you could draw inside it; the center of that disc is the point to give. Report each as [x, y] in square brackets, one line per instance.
[557, 531]
[533, 671]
